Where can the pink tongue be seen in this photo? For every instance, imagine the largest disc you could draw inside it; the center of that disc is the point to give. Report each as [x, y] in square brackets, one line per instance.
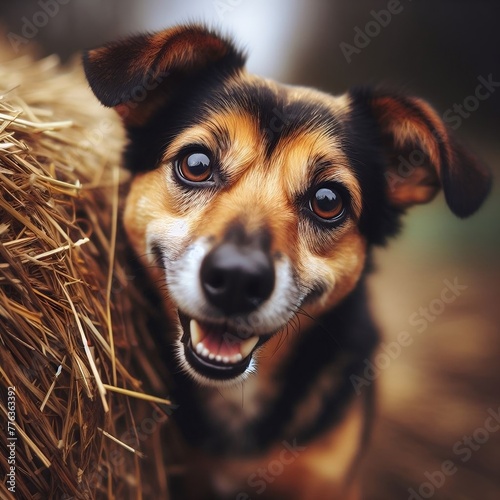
[221, 344]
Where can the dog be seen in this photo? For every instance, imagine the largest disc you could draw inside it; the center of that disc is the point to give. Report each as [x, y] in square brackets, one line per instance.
[253, 209]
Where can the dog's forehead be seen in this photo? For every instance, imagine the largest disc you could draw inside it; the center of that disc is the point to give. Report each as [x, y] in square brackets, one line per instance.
[278, 110]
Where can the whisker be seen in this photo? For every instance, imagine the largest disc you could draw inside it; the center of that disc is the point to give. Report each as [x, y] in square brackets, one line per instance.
[282, 340]
[329, 334]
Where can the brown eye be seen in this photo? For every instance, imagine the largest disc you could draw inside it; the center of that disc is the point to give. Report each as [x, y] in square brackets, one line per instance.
[327, 203]
[195, 167]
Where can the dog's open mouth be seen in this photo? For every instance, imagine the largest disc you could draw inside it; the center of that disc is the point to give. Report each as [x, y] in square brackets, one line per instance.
[215, 351]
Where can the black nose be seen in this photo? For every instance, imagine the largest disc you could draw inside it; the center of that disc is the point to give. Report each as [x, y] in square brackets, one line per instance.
[238, 275]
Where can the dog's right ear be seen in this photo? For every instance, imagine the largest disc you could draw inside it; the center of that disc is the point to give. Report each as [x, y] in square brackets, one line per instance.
[136, 75]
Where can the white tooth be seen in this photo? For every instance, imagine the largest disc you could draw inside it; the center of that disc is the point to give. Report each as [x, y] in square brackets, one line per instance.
[218, 358]
[211, 356]
[225, 359]
[205, 352]
[195, 332]
[247, 346]
[199, 348]
[237, 358]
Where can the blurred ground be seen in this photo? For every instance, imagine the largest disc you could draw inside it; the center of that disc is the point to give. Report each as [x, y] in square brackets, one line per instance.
[437, 395]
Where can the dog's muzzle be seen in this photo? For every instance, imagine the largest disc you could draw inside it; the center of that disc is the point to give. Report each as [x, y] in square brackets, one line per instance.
[237, 276]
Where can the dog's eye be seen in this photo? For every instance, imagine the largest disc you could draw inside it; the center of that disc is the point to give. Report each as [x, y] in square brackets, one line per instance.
[327, 203]
[195, 167]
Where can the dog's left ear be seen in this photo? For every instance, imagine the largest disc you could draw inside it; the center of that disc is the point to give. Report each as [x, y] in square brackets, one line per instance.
[140, 73]
[422, 156]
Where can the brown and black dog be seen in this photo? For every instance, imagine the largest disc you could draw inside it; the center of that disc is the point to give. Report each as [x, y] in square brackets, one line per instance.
[261, 203]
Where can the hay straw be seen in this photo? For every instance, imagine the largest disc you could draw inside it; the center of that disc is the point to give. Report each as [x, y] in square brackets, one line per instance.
[121, 443]
[140, 395]
[51, 388]
[86, 348]
[114, 220]
[15, 123]
[67, 338]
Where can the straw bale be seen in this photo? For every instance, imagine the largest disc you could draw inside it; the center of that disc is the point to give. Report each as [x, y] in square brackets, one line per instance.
[68, 328]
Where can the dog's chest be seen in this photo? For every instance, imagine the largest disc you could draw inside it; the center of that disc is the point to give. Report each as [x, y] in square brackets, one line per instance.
[236, 408]
[240, 410]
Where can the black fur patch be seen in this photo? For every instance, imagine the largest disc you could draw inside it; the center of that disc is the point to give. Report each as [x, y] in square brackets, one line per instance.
[363, 146]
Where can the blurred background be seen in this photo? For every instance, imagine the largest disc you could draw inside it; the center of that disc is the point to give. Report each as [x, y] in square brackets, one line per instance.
[436, 395]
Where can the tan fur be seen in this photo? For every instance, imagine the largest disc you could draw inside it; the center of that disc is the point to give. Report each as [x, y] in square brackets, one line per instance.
[407, 127]
[407, 132]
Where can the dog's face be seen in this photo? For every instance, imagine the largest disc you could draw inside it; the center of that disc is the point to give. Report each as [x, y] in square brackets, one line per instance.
[249, 228]
[254, 204]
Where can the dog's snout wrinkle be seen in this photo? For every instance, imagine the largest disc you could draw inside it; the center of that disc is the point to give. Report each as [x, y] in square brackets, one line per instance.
[238, 275]
[237, 235]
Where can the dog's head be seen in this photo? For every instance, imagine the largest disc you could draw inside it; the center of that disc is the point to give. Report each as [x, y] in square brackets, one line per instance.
[260, 200]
